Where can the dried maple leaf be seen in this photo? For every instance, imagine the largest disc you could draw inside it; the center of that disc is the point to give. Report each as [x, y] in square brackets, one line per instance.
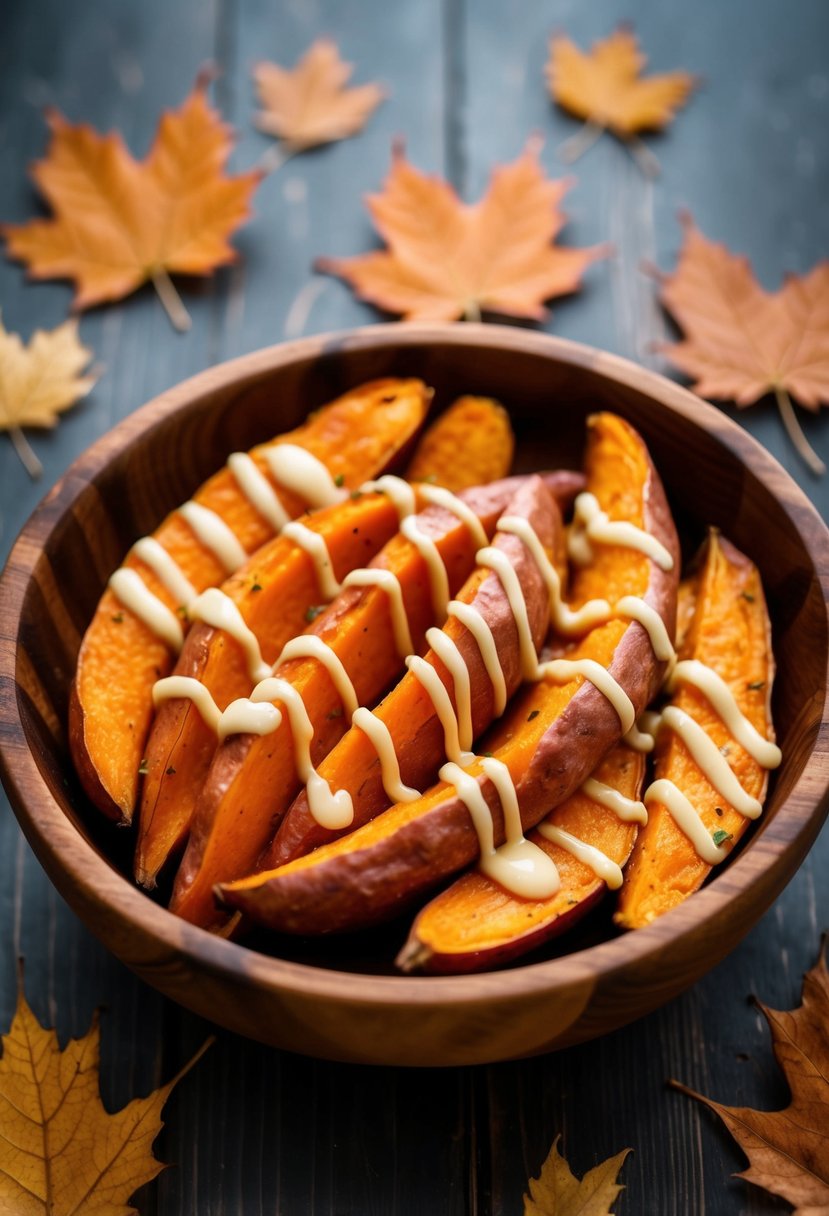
[788, 1150]
[309, 104]
[446, 259]
[605, 88]
[559, 1193]
[742, 342]
[61, 1152]
[40, 381]
[119, 222]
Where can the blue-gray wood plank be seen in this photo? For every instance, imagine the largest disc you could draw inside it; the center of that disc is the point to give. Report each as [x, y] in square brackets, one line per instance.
[252, 1131]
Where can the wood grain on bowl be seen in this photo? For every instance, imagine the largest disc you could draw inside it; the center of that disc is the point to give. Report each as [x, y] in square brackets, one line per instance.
[340, 1005]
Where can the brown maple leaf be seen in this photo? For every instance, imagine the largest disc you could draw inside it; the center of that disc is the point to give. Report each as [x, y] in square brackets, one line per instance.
[742, 342]
[39, 381]
[446, 259]
[61, 1152]
[309, 104]
[119, 222]
[788, 1150]
[604, 86]
[559, 1193]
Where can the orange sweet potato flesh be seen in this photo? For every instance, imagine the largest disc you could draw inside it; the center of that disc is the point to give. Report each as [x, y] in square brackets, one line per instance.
[408, 710]
[477, 924]
[470, 444]
[274, 592]
[253, 780]
[551, 738]
[356, 437]
[730, 632]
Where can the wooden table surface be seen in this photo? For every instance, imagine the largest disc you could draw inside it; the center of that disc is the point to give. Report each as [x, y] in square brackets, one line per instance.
[252, 1131]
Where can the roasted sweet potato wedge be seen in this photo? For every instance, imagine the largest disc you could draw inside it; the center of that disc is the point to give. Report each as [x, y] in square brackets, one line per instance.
[253, 780]
[356, 437]
[408, 711]
[730, 634]
[276, 594]
[476, 924]
[470, 444]
[550, 740]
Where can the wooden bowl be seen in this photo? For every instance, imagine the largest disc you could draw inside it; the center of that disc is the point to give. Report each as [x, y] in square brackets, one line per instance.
[340, 1005]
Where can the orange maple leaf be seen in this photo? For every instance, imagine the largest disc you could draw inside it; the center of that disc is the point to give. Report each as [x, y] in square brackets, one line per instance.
[446, 259]
[604, 86]
[119, 222]
[309, 104]
[788, 1150]
[742, 342]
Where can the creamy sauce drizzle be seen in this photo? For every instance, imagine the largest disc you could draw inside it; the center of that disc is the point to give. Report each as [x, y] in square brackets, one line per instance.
[372, 576]
[166, 569]
[561, 671]
[308, 645]
[314, 545]
[481, 632]
[452, 659]
[426, 676]
[590, 523]
[212, 531]
[629, 810]
[601, 865]
[239, 715]
[132, 592]
[220, 612]
[303, 474]
[256, 488]
[381, 740]
[428, 550]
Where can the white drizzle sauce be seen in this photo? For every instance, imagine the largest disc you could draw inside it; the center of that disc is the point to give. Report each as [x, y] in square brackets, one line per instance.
[256, 488]
[452, 659]
[373, 576]
[165, 568]
[590, 523]
[687, 819]
[561, 671]
[308, 645]
[381, 740]
[440, 497]
[428, 550]
[220, 612]
[239, 716]
[710, 759]
[426, 676]
[212, 531]
[715, 689]
[629, 810]
[520, 866]
[314, 545]
[137, 598]
[601, 865]
[303, 474]
[495, 560]
[481, 632]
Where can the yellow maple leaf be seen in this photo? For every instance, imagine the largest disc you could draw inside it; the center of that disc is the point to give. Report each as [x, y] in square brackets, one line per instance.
[61, 1152]
[604, 86]
[119, 222]
[559, 1193]
[39, 381]
[309, 104]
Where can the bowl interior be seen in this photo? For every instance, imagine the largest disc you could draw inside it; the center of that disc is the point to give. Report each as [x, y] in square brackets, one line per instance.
[122, 488]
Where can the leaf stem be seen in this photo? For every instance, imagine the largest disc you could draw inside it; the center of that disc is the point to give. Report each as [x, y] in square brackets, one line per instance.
[578, 144]
[646, 160]
[274, 157]
[25, 453]
[795, 432]
[169, 297]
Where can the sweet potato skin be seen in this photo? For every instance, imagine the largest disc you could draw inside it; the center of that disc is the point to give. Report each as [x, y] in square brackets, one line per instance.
[408, 711]
[356, 436]
[731, 633]
[470, 444]
[389, 863]
[273, 592]
[252, 781]
[475, 924]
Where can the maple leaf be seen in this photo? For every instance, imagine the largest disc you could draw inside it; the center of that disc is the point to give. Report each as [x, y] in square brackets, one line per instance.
[604, 86]
[40, 381]
[119, 222]
[61, 1152]
[742, 342]
[788, 1150]
[446, 259]
[559, 1193]
[309, 104]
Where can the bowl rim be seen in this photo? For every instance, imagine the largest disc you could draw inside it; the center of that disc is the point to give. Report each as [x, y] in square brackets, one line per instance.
[48, 828]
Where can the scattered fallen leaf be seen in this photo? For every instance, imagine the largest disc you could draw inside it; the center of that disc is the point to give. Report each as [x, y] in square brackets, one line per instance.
[788, 1150]
[119, 222]
[309, 104]
[604, 87]
[559, 1193]
[446, 259]
[742, 342]
[39, 381]
[61, 1152]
